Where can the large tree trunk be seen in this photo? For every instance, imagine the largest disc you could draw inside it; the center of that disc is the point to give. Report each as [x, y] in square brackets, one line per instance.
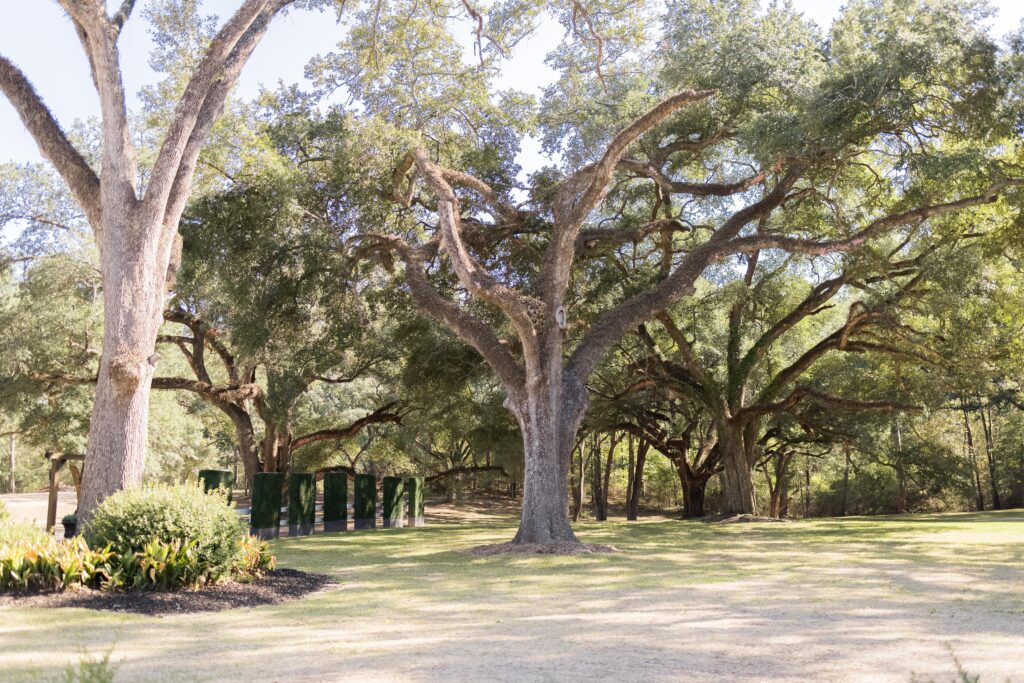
[737, 482]
[247, 444]
[134, 273]
[548, 419]
[694, 489]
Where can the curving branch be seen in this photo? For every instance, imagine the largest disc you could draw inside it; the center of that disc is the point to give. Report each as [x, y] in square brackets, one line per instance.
[467, 327]
[381, 415]
[520, 309]
[616, 322]
[51, 139]
[572, 205]
[875, 228]
[647, 169]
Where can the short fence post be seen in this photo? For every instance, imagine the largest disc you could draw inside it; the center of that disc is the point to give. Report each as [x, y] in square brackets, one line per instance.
[366, 502]
[265, 515]
[215, 479]
[415, 487]
[301, 503]
[336, 501]
[394, 490]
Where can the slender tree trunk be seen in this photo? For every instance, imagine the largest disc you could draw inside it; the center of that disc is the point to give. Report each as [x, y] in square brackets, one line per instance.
[986, 423]
[576, 483]
[633, 504]
[631, 461]
[737, 482]
[595, 480]
[973, 459]
[12, 485]
[846, 479]
[807, 487]
[134, 273]
[612, 443]
[901, 473]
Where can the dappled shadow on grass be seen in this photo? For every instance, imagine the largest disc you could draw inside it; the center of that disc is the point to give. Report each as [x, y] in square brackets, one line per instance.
[821, 600]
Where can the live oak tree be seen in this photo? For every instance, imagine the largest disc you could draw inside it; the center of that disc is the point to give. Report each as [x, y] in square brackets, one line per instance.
[739, 131]
[134, 223]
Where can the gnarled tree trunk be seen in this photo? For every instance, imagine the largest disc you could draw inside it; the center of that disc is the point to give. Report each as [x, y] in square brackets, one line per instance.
[546, 421]
[133, 264]
[737, 482]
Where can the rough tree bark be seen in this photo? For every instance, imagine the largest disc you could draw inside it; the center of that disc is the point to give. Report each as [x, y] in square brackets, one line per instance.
[135, 233]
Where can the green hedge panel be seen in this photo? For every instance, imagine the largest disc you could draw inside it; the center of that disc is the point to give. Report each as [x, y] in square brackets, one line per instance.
[265, 516]
[301, 503]
[414, 485]
[215, 479]
[335, 501]
[365, 512]
[393, 492]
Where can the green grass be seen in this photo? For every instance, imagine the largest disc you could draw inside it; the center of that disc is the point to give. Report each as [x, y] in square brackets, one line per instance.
[409, 592]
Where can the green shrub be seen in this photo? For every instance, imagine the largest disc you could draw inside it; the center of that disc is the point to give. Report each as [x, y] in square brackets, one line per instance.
[4, 514]
[18, 534]
[129, 521]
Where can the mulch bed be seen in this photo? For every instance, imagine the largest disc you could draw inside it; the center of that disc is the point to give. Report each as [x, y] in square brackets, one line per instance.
[280, 585]
[541, 549]
[726, 518]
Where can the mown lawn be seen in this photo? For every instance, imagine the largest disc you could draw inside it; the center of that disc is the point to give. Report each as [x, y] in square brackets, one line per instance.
[854, 599]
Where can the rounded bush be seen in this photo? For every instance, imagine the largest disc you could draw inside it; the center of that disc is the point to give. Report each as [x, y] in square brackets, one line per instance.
[130, 520]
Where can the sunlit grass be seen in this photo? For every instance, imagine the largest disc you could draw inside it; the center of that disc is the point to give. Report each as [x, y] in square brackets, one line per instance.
[405, 587]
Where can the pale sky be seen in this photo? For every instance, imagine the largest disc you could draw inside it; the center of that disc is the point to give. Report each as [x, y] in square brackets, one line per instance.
[39, 38]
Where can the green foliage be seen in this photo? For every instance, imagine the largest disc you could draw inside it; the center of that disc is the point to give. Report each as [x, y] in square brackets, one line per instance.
[4, 513]
[16, 533]
[91, 670]
[182, 518]
[158, 565]
[219, 481]
[52, 564]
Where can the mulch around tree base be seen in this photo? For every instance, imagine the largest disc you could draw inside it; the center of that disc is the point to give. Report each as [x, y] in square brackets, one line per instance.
[280, 585]
[727, 518]
[541, 549]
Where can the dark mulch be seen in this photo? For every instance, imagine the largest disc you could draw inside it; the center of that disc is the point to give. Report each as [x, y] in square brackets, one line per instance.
[272, 588]
[726, 518]
[541, 549]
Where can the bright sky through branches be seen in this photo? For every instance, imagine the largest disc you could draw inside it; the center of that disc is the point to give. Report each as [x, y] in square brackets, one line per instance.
[40, 39]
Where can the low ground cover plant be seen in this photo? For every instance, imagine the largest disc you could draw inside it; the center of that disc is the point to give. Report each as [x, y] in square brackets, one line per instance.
[159, 537]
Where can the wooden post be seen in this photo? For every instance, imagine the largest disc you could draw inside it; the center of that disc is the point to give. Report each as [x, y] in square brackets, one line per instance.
[12, 486]
[51, 503]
